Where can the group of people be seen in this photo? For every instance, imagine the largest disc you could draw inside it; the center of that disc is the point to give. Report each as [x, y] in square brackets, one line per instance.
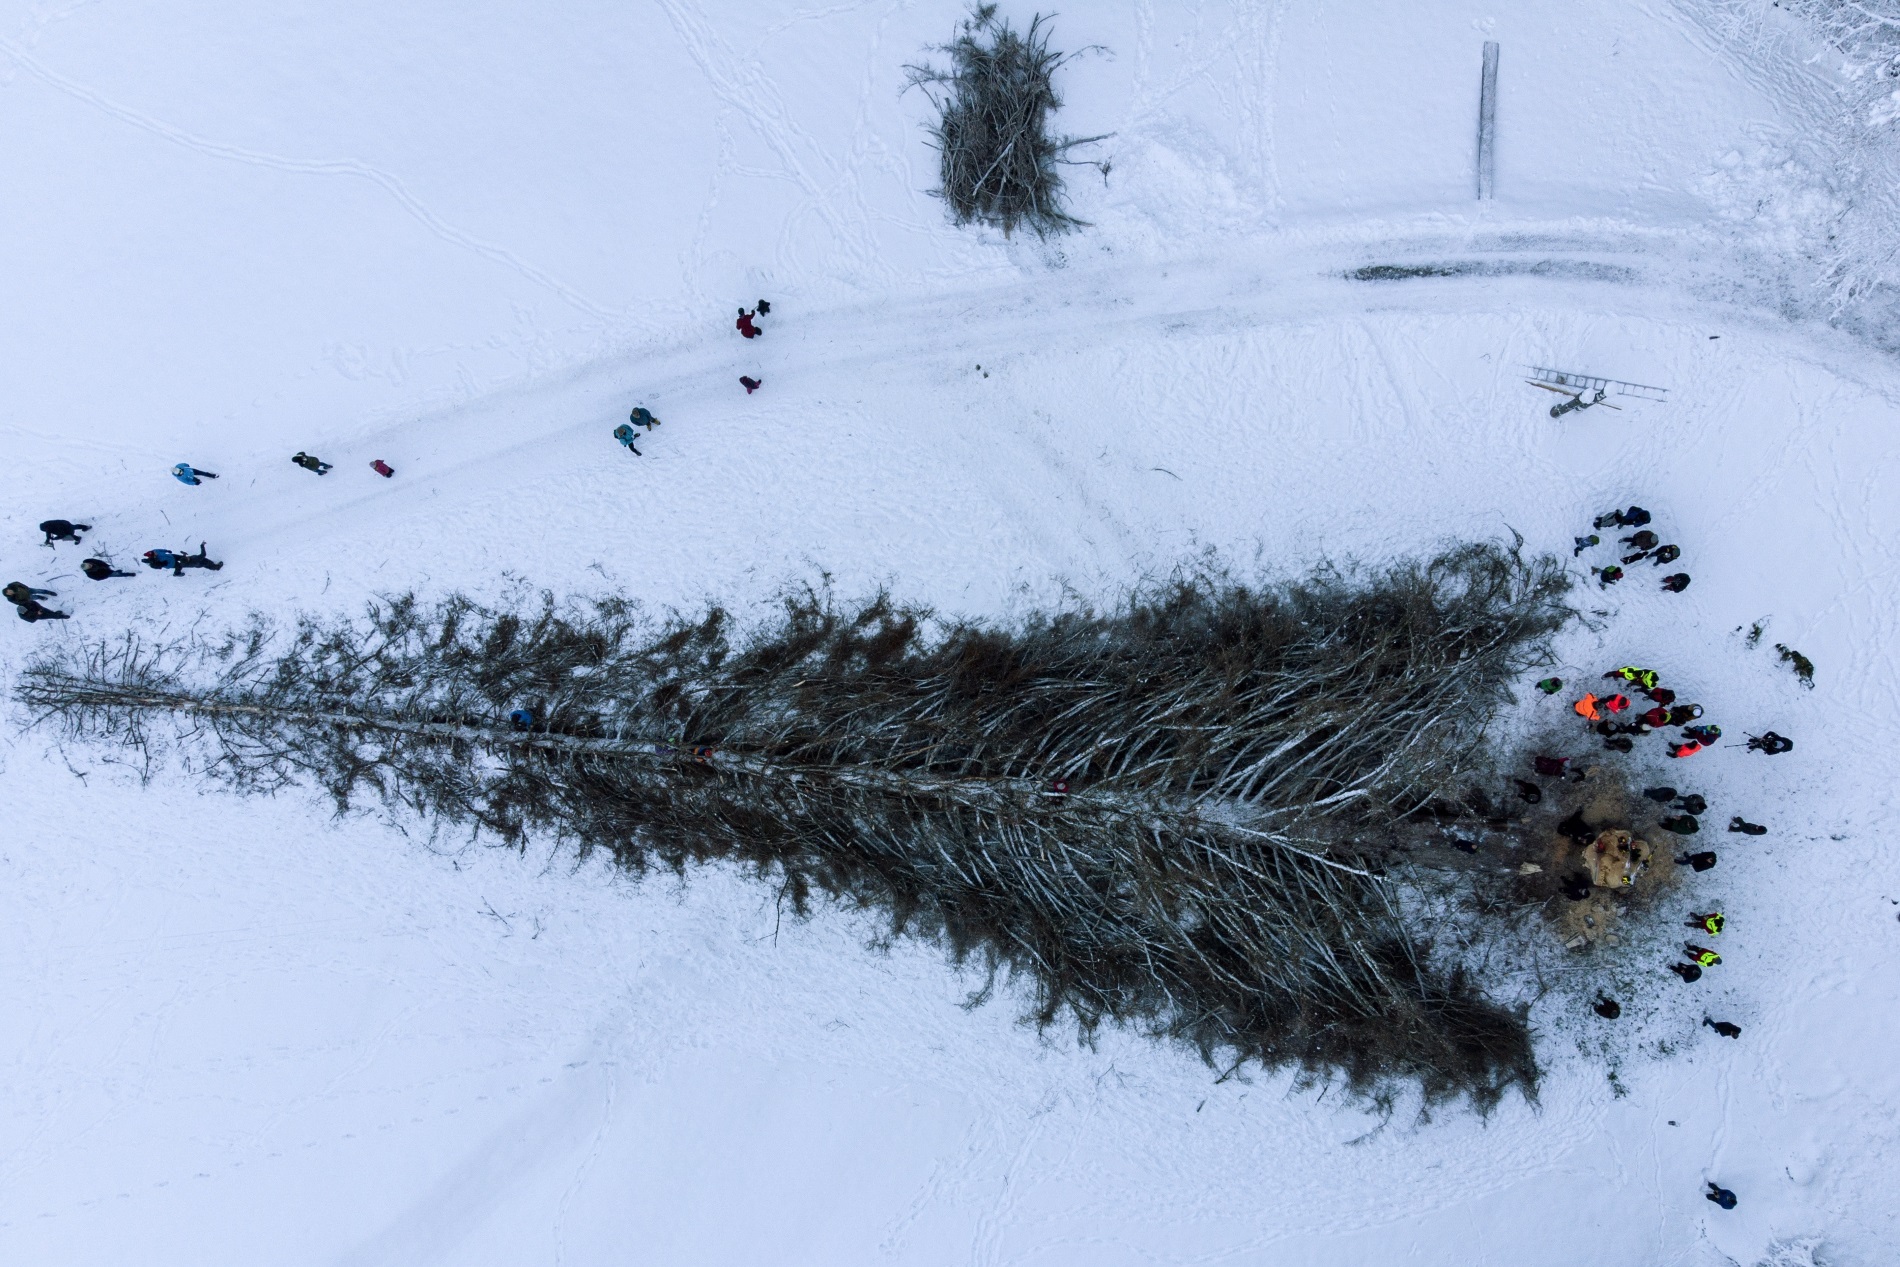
[1602, 713]
[1643, 544]
[642, 417]
[26, 599]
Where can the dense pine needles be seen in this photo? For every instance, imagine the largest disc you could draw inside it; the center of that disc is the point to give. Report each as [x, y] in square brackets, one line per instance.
[1166, 815]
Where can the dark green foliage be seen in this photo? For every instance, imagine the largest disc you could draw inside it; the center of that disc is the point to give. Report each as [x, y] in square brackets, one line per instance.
[1236, 759]
[998, 162]
[1803, 667]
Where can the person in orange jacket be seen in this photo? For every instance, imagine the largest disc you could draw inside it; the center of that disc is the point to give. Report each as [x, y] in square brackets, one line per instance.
[1593, 708]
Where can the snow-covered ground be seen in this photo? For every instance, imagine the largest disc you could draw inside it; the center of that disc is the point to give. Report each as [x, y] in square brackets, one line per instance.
[465, 242]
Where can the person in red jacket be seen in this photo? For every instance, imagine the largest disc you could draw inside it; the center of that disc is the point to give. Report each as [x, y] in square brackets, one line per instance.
[744, 323]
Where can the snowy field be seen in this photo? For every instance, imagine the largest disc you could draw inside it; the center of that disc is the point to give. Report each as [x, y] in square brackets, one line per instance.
[465, 242]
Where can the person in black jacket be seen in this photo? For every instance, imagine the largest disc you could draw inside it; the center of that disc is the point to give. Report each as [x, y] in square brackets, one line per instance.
[62, 530]
[100, 570]
[31, 611]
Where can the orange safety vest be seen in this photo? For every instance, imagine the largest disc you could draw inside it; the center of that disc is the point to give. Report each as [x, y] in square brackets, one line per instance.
[1685, 749]
[1587, 708]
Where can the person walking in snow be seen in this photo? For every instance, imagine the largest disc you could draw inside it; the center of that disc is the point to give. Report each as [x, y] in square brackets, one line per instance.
[750, 384]
[1694, 803]
[31, 610]
[1746, 828]
[62, 530]
[1550, 685]
[1687, 971]
[18, 592]
[1770, 743]
[746, 328]
[1608, 576]
[624, 434]
[1718, 1194]
[1676, 582]
[1584, 543]
[1644, 678]
[1687, 748]
[1644, 540]
[1683, 714]
[100, 570]
[1697, 861]
[1666, 554]
[1703, 956]
[1710, 923]
[178, 561]
[1727, 1029]
[643, 417]
[1704, 735]
[382, 468]
[186, 473]
[1681, 824]
[1634, 517]
[309, 463]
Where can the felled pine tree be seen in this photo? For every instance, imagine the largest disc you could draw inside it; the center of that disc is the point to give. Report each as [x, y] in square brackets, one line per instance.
[1158, 815]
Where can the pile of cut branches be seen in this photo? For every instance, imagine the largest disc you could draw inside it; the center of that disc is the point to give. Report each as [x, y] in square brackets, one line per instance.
[998, 163]
[1165, 815]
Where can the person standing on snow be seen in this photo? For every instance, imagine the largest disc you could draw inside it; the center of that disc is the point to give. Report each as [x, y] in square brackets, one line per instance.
[62, 530]
[1687, 971]
[1746, 828]
[1676, 582]
[382, 468]
[309, 463]
[31, 610]
[1550, 685]
[1718, 1194]
[1584, 543]
[1703, 956]
[100, 570]
[1608, 576]
[1634, 517]
[17, 592]
[745, 326]
[624, 434]
[1697, 861]
[177, 561]
[186, 473]
[1770, 743]
[1727, 1029]
[750, 384]
[643, 417]
[1710, 923]
[1667, 554]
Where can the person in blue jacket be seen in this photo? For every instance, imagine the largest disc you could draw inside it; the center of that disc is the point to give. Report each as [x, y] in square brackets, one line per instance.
[624, 434]
[186, 473]
[177, 561]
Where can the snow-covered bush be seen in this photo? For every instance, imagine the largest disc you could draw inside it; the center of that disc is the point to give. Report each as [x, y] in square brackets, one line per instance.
[1175, 814]
[997, 161]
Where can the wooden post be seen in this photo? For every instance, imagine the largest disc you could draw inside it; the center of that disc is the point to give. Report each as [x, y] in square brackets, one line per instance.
[1488, 123]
